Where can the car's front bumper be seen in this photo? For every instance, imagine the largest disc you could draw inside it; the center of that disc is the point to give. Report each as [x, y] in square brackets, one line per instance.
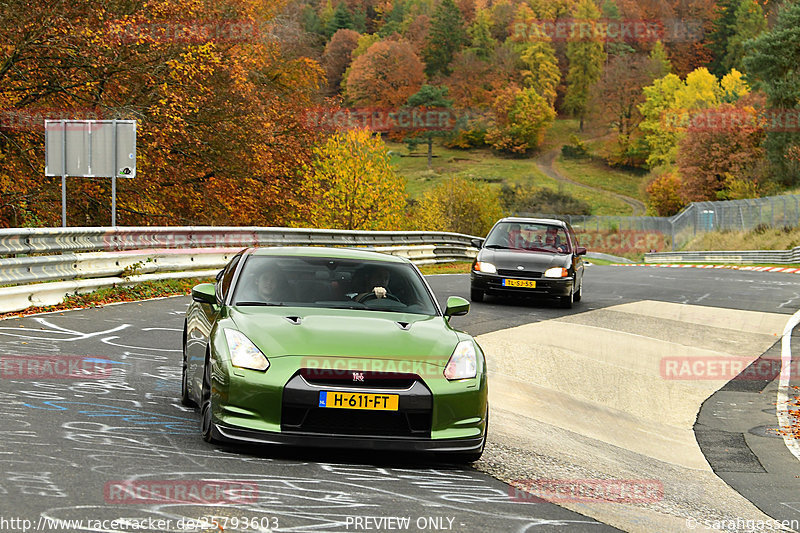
[546, 287]
[280, 406]
[242, 435]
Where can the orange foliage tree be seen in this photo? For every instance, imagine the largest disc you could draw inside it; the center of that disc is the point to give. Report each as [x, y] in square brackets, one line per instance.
[385, 75]
[219, 105]
[337, 56]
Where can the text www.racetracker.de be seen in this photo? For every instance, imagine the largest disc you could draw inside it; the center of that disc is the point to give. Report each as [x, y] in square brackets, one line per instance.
[17, 524]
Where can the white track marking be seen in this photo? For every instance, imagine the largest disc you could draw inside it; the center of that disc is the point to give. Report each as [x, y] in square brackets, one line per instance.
[784, 419]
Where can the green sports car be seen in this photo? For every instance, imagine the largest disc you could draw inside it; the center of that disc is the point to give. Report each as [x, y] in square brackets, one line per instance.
[332, 347]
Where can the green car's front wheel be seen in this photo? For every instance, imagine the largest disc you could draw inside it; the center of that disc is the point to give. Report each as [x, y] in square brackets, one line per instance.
[206, 408]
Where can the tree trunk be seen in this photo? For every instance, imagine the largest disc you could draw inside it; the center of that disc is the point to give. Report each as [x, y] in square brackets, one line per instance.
[430, 152]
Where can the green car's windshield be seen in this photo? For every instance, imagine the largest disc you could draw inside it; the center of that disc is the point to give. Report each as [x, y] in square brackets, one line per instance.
[530, 237]
[332, 283]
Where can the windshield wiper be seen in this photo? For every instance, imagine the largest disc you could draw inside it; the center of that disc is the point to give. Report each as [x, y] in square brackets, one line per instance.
[497, 246]
[259, 303]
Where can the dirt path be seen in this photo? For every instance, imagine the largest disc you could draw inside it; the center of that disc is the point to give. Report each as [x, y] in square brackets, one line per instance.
[546, 161]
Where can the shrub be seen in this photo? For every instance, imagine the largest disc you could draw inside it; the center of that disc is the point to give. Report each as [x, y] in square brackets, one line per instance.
[543, 201]
[576, 149]
[663, 195]
[460, 205]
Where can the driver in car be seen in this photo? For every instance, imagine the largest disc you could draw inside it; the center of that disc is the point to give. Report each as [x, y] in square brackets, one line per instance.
[375, 281]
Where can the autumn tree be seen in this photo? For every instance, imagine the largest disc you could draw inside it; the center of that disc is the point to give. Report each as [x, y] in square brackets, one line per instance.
[616, 100]
[447, 36]
[387, 74]
[522, 116]
[664, 195]
[416, 32]
[475, 82]
[350, 184]
[501, 15]
[209, 150]
[669, 104]
[713, 150]
[586, 57]
[541, 71]
[772, 61]
[337, 56]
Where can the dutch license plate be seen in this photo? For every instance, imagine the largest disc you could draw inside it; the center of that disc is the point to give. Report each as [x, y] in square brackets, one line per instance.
[530, 284]
[359, 400]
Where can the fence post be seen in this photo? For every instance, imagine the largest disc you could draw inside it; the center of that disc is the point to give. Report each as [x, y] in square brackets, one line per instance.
[672, 231]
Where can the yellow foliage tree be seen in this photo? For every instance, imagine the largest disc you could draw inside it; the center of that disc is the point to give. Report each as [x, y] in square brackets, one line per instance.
[460, 205]
[350, 184]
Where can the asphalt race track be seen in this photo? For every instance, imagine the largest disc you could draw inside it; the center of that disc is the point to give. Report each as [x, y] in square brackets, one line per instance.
[67, 444]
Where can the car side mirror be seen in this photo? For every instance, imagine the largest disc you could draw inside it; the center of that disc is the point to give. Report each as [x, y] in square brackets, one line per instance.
[580, 250]
[204, 293]
[456, 306]
[477, 243]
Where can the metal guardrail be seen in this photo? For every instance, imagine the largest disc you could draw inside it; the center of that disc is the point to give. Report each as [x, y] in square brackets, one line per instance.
[741, 256]
[125, 256]
[65, 240]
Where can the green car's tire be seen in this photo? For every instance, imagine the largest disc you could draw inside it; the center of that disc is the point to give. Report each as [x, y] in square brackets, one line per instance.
[206, 410]
[186, 400]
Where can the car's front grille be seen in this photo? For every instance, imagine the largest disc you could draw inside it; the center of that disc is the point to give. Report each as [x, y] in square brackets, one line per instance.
[324, 377]
[526, 274]
[353, 422]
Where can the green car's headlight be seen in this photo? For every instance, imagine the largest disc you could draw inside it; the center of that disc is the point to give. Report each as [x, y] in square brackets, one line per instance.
[244, 353]
[463, 363]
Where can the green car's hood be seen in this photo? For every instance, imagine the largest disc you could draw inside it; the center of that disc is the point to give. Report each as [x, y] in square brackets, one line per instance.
[346, 333]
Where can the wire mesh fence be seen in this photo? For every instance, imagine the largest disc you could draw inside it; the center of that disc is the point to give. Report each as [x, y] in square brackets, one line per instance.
[624, 235]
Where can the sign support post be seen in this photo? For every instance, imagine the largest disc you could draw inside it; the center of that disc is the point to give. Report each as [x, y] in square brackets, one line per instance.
[64, 175]
[90, 149]
[114, 176]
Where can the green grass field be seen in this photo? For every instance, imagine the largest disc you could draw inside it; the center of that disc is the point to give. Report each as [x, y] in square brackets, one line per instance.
[482, 164]
[597, 174]
[479, 164]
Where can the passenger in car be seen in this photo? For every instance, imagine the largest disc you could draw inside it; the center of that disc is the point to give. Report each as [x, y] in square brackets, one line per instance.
[273, 286]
